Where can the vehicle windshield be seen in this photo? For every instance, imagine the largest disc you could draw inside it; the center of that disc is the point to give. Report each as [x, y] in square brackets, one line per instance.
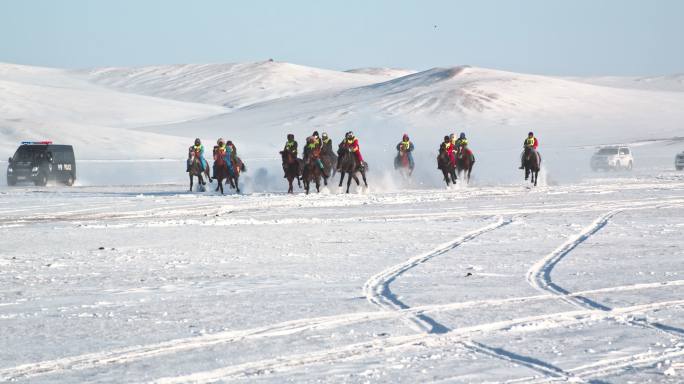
[27, 154]
[608, 151]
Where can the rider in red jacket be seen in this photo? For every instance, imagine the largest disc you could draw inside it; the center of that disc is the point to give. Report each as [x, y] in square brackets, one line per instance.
[530, 142]
[352, 143]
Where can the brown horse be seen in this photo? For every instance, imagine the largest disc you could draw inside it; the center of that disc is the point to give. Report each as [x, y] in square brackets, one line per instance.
[196, 170]
[350, 166]
[464, 163]
[532, 164]
[402, 163]
[234, 177]
[312, 173]
[221, 171]
[293, 169]
[448, 170]
[329, 160]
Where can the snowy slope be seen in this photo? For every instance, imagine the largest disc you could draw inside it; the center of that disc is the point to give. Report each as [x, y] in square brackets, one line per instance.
[673, 83]
[496, 108]
[43, 103]
[230, 85]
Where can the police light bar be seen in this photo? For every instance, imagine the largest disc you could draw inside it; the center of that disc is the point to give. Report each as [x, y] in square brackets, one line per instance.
[44, 142]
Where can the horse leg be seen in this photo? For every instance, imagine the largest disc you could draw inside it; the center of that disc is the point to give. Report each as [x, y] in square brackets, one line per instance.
[341, 179]
[536, 177]
[290, 188]
[527, 173]
[363, 176]
[190, 181]
[237, 184]
[318, 185]
[349, 180]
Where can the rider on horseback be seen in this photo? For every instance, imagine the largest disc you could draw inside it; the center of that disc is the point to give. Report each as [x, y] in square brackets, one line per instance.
[312, 152]
[406, 146]
[530, 142]
[351, 143]
[224, 153]
[290, 148]
[448, 147]
[461, 143]
[198, 151]
[326, 144]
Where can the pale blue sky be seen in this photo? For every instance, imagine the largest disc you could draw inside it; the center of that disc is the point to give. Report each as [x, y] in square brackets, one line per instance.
[569, 37]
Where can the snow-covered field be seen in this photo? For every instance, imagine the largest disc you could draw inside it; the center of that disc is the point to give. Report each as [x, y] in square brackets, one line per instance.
[126, 277]
[499, 284]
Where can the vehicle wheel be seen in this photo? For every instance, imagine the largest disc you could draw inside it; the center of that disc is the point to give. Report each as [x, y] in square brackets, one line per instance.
[629, 166]
[11, 181]
[41, 181]
[69, 180]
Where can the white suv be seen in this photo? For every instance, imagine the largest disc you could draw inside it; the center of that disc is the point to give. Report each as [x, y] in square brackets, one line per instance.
[613, 157]
[679, 161]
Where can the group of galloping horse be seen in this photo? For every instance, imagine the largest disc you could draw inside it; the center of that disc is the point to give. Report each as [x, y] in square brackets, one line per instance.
[458, 164]
[308, 172]
[226, 171]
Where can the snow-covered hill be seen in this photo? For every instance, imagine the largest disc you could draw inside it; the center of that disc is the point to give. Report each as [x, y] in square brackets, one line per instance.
[266, 100]
[43, 103]
[673, 83]
[229, 85]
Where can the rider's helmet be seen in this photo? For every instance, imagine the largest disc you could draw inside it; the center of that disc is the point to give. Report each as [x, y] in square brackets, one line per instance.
[406, 137]
[220, 140]
[446, 139]
[290, 136]
[325, 135]
[229, 143]
[462, 135]
[350, 135]
[451, 136]
[197, 141]
[310, 139]
[315, 134]
[530, 134]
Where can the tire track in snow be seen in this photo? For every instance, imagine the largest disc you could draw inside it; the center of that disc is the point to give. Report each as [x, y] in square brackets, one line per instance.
[377, 291]
[459, 336]
[137, 353]
[539, 277]
[377, 288]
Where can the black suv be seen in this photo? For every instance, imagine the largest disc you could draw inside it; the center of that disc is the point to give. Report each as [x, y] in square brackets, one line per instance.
[41, 162]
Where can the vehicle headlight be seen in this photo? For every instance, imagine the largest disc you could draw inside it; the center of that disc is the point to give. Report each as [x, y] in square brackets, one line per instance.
[34, 169]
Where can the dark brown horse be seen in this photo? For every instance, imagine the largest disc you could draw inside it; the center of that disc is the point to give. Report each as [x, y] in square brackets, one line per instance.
[196, 170]
[234, 177]
[464, 164]
[329, 160]
[312, 173]
[532, 164]
[350, 166]
[448, 170]
[293, 169]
